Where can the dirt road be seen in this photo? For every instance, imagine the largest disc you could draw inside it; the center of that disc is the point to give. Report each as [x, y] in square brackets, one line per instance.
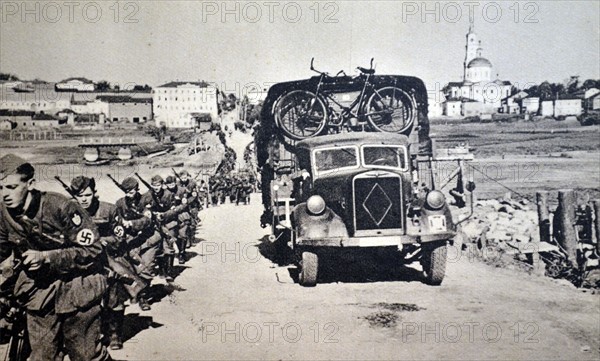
[231, 302]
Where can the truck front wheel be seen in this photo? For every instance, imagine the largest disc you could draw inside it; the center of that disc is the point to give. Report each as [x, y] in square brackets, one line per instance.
[433, 260]
[309, 269]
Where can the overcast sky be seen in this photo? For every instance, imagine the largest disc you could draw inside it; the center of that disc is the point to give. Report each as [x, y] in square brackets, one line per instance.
[155, 42]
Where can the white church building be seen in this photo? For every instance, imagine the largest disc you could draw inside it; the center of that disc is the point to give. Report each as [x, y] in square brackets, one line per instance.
[477, 93]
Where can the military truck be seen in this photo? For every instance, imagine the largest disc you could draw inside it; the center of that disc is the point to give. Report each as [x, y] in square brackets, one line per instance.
[352, 186]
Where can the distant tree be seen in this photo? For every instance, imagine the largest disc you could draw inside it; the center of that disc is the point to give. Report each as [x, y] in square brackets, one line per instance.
[591, 83]
[573, 86]
[142, 88]
[533, 91]
[8, 77]
[103, 86]
[545, 91]
[557, 90]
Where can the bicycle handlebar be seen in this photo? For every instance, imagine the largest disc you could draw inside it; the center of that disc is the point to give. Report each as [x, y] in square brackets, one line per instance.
[324, 73]
[369, 71]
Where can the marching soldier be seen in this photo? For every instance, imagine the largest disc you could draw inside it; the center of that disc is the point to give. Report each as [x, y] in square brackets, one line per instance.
[183, 218]
[136, 223]
[60, 273]
[161, 203]
[203, 193]
[194, 205]
[123, 281]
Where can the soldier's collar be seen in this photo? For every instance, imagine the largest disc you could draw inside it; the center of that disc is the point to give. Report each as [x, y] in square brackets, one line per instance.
[93, 208]
[32, 204]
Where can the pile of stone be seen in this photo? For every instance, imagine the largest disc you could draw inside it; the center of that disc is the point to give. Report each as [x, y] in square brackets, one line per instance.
[506, 223]
[511, 227]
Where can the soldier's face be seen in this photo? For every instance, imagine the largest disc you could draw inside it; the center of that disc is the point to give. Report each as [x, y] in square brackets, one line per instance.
[85, 198]
[156, 188]
[184, 178]
[132, 193]
[171, 185]
[15, 190]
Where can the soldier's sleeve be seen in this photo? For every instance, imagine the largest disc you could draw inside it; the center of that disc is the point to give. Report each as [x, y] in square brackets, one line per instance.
[136, 224]
[172, 213]
[82, 247]
[5, 245]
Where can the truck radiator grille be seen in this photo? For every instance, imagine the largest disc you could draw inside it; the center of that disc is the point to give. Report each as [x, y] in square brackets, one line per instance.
[377, 203]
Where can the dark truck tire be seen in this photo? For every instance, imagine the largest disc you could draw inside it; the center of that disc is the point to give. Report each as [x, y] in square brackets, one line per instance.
[434, 263]
[309, 269]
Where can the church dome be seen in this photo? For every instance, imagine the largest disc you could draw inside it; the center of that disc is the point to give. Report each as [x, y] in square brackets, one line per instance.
[479, 63]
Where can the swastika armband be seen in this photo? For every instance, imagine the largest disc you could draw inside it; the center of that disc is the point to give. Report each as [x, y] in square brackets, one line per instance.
[85, 237]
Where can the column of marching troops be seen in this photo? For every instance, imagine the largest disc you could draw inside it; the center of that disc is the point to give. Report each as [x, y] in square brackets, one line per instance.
[70, 263]
[236, 187]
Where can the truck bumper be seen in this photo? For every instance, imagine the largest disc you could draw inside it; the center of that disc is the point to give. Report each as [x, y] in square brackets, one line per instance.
[379, 241]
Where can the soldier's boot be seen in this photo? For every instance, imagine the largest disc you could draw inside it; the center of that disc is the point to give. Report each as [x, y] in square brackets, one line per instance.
[115, 326]
[160, 262]
[169, 262]
[143, 300]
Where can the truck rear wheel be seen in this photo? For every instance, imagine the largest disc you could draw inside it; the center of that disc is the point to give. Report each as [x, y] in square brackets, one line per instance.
[309, 269]
[433, 260]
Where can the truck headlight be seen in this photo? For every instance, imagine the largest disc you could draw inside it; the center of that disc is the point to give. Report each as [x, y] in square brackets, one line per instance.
[435, 199]
[315, 205]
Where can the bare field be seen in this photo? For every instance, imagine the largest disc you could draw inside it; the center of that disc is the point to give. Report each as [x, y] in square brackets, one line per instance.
[523, 157]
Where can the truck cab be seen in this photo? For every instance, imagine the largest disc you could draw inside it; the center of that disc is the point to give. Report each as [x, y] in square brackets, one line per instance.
[358, 190]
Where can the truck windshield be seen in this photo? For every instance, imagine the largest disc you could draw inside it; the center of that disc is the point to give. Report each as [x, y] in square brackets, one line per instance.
[384, 156]
[331, 159]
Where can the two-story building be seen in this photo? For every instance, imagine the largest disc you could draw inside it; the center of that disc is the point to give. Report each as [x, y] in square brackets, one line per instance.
[127, 108]
[182, 104]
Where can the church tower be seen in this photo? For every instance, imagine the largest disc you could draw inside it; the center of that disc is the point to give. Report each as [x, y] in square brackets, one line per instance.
[473, 48]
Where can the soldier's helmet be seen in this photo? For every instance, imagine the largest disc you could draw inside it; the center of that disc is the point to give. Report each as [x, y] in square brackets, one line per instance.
[129, 184]
[81, 183]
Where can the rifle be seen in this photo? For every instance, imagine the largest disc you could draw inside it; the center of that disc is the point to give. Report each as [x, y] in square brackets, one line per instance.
[176, 174]
[65, 186]
[13, 315]
[154, 196]
[116, 183]
[18, 346]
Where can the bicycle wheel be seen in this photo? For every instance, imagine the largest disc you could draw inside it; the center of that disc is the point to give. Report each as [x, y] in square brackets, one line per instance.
[300, 114]
[390, 109]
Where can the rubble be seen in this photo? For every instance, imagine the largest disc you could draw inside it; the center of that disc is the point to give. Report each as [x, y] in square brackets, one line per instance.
[511, 227]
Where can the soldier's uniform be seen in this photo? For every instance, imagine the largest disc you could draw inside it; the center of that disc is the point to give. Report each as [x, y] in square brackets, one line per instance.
[203, 194]
[162, 205]
[184, 218]
[123, 281]
[142, 238]
[62, 294]
[193, 202]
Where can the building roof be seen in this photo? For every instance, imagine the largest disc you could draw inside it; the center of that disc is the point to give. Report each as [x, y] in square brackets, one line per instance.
[569, 97]
[16, 113]
[176, 84]
[43, 116]
[83, 80]
[479, 63]
[122, 99]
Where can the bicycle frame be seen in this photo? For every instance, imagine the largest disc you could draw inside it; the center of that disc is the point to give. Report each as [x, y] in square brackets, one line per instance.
[353, 110]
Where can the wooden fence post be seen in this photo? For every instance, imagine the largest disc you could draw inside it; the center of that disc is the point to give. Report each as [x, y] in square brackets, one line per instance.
[596, 204]
[566, 236]
[544, 225]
